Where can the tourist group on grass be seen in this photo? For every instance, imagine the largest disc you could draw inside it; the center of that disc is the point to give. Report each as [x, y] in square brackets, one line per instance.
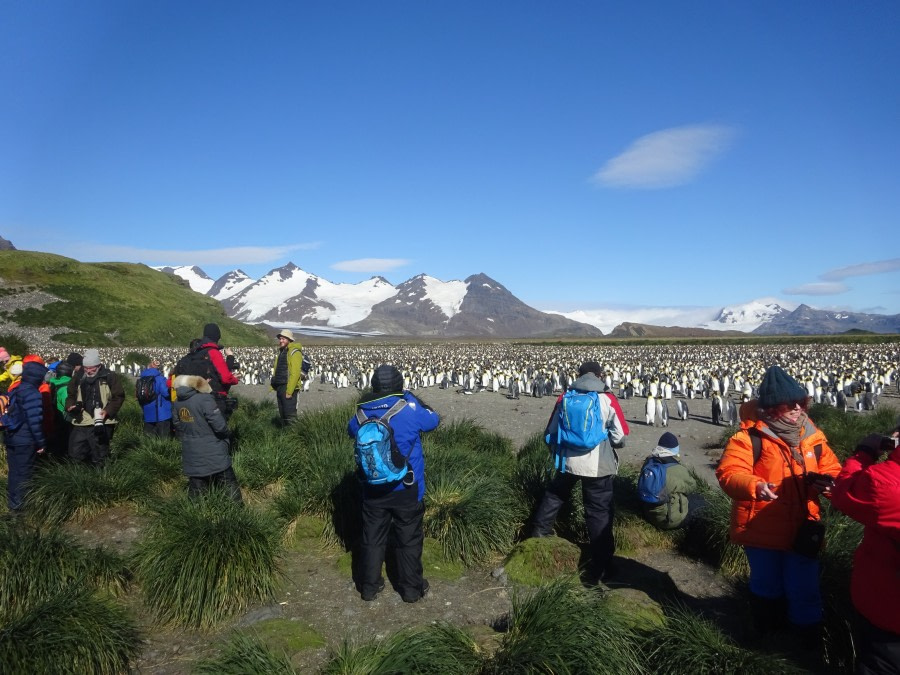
[776, 469]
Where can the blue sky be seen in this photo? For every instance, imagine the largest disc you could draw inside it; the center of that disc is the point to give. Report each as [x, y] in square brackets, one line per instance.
[583, 154]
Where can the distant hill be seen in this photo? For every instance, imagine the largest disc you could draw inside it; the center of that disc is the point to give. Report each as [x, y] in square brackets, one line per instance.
[806, 320]
[628, 329]
[109, 304]
[6, 245]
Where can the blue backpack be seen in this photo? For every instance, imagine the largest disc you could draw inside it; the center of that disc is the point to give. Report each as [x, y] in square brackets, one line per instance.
[580, 426]
[377, 456]
[651, 483]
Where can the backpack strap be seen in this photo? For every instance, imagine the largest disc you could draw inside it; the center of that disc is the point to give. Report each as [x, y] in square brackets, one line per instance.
[361, 416]
[756, 443]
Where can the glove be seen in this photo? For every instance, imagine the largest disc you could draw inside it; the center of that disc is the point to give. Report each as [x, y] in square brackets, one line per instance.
[875, 444]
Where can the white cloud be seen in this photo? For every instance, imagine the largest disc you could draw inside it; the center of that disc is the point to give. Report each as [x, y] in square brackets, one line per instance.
[370, 264]
[666, 158]
[235, 255]
[817, 288]
[861, 270]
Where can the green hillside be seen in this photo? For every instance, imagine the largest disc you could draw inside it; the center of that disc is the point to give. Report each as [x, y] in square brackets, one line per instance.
[112, 304]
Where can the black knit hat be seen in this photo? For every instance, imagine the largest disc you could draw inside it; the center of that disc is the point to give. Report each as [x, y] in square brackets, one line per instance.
[387, 379]
[779, 387]
[668, 440]
[211, 331]
[590, 367]
[74, 359]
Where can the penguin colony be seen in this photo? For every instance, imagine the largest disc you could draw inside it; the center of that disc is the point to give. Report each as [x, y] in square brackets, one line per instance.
[851, 377]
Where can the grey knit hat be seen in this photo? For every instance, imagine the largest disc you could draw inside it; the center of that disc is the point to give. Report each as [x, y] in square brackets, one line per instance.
[91, 358]
[387, 380]
[778, 387]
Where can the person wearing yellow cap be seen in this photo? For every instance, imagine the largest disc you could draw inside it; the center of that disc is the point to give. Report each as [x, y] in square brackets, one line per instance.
[287, 372]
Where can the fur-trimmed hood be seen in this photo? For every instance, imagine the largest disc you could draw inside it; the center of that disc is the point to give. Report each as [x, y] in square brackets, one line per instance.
[187, 385]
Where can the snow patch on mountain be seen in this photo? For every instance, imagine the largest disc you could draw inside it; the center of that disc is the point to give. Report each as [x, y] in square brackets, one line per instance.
[272, 290]
[446, 295]
[197, 279]
[352, 302]
[230, 284]
[749, 316]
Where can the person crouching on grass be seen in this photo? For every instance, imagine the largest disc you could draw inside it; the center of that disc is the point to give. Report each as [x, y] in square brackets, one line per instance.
[774, 469]
[394, 508]
[204, 435]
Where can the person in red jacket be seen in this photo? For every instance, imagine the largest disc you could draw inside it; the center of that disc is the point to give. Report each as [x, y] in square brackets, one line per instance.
[774, 469]
[222, 378]
[869, 492]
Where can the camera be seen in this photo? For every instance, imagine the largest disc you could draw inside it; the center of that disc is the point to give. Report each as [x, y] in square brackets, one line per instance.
[231, 404]
[813, 477]
[98, 417]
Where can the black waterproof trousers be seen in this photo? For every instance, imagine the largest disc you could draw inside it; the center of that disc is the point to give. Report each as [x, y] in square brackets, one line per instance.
[226, 479]
[598, 515]
[287, 405]
[397, 514]
[91, 443]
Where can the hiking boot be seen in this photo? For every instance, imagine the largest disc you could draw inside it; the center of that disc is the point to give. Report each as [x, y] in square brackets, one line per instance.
[369, 597]
[416, 598]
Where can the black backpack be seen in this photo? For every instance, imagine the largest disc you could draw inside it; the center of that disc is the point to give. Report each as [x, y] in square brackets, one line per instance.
[145, 389]
[197, 362]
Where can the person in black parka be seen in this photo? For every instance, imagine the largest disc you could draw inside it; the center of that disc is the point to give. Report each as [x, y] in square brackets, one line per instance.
[204, 435]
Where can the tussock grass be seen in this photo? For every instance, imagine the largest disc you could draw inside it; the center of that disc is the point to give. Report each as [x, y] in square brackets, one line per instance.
[473, 515]
[845, 430]
[156, 461]
[71, 631]
[67, 490]
[686, 643]
[440, 649]
[245, 654]
[203, 561]
[266, 463]
[326, 487]
[563, 628]
[34, 566]
[323, 426]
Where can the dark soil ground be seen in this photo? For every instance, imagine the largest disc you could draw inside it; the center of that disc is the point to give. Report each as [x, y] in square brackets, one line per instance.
[317, 593]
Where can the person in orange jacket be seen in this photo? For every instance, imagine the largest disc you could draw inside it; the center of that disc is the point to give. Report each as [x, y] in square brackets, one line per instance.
[774, 469]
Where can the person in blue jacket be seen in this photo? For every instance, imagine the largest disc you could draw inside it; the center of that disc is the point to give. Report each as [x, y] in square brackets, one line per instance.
[24, 433]
[158, 413]
[395, 508]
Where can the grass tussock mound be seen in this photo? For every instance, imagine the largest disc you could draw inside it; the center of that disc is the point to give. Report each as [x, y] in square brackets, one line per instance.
[202, 561]
[57, 607]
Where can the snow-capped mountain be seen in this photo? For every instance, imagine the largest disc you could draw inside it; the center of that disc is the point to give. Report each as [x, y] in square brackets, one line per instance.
[289, 294]
[197, 279]
[229, 284]
[425, 306]
[750, 315]
[480, 306]
[806, 320]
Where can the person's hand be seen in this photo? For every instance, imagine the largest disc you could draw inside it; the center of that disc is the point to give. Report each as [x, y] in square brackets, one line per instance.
[765, 491]
[823, 485]
[40, 451]
[228, 351]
